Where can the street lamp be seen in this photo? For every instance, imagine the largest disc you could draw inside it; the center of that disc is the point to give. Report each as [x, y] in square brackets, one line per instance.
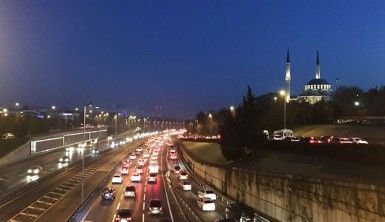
[283, 94]
[53, 107]
[356, 103]
[211, 120]
[232, 110]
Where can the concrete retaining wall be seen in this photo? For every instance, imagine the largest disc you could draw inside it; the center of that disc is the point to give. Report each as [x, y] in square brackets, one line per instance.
[290, 198]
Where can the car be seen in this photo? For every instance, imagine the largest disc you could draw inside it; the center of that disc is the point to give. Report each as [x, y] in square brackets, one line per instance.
[155, 206]
[295, 139]
[136, 177]
[146, 155]
[64, 159]
[207, 193]
[176, 169]
[153, 178]
[139, 169]
[123, 215]
[130, 191]
[358, 140]
[173, 156]
[133, 157]
[153, 168]
[108, 193]
[141, 162]
[139, 149]
[34, 170]
[154, 157]
[206, 204]
[117, 178]
[124, 170]
[185, 184]
[345, 141]
[183, 175]
[95, 151]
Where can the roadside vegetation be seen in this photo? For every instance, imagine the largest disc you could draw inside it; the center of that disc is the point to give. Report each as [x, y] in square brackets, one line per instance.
[241, 129]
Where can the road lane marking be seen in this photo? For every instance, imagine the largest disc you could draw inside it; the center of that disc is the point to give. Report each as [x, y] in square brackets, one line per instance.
[43, 202]
[37, 208]
[29, 215]
[122, 197]
[164, 186]
[144, 197]
[142, 217]
[143, 205]
[117, 207]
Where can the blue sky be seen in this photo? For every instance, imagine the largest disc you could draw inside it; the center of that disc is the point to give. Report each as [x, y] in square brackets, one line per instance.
[184, 56]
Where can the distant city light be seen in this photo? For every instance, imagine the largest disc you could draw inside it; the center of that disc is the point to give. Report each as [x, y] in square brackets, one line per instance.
[282, 92]
[5, 110]
[48, 116]
[76, 109]
[53, 107]
[356, 103]
[17, 104]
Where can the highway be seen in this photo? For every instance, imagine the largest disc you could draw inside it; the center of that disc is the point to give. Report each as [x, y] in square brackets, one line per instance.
[60, 196]
[50, 196]
[15, 174]
[103, 210]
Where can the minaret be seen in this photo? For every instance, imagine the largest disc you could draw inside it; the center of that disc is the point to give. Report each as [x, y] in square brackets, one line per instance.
[317, 67]
[287, 77]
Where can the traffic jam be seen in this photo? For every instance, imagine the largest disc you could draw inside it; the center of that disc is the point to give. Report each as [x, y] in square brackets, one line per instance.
[137, 191]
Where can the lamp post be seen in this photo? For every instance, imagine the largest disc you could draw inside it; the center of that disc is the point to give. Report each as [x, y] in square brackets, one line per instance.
[283, 94]
[210, 122]
[232, 110]
[84, 142]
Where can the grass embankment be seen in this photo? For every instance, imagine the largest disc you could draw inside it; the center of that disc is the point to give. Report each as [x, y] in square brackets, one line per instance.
[209, 152]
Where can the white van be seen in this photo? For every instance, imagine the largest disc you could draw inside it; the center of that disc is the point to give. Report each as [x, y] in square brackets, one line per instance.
[282, 134]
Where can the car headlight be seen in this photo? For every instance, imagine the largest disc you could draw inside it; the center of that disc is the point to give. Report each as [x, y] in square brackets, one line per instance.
[61, 159]
[29, 171]
[36, 171]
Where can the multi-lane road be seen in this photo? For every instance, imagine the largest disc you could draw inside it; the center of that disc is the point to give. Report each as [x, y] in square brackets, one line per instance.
[57, 197]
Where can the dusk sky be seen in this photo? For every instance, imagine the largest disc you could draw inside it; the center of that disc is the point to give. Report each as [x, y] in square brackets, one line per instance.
[182, 55]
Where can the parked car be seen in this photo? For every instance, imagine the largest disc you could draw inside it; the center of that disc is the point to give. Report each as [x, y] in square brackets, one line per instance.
[358, 140]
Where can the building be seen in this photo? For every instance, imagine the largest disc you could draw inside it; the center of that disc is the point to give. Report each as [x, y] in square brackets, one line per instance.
[317, 88]
[287, 77]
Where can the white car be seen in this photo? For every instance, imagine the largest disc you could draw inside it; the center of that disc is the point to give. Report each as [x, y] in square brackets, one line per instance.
[139, 169]
[358, 140]
[173, 156]
[206, 204]
[153, 178]
[146, 155]
[132, 157]
[136, 177]
[117, 179]
[153, 168]
[185, 185]
[183, 175]
[124, 170]
[130, 191]
[207, 194]
[139, 149]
